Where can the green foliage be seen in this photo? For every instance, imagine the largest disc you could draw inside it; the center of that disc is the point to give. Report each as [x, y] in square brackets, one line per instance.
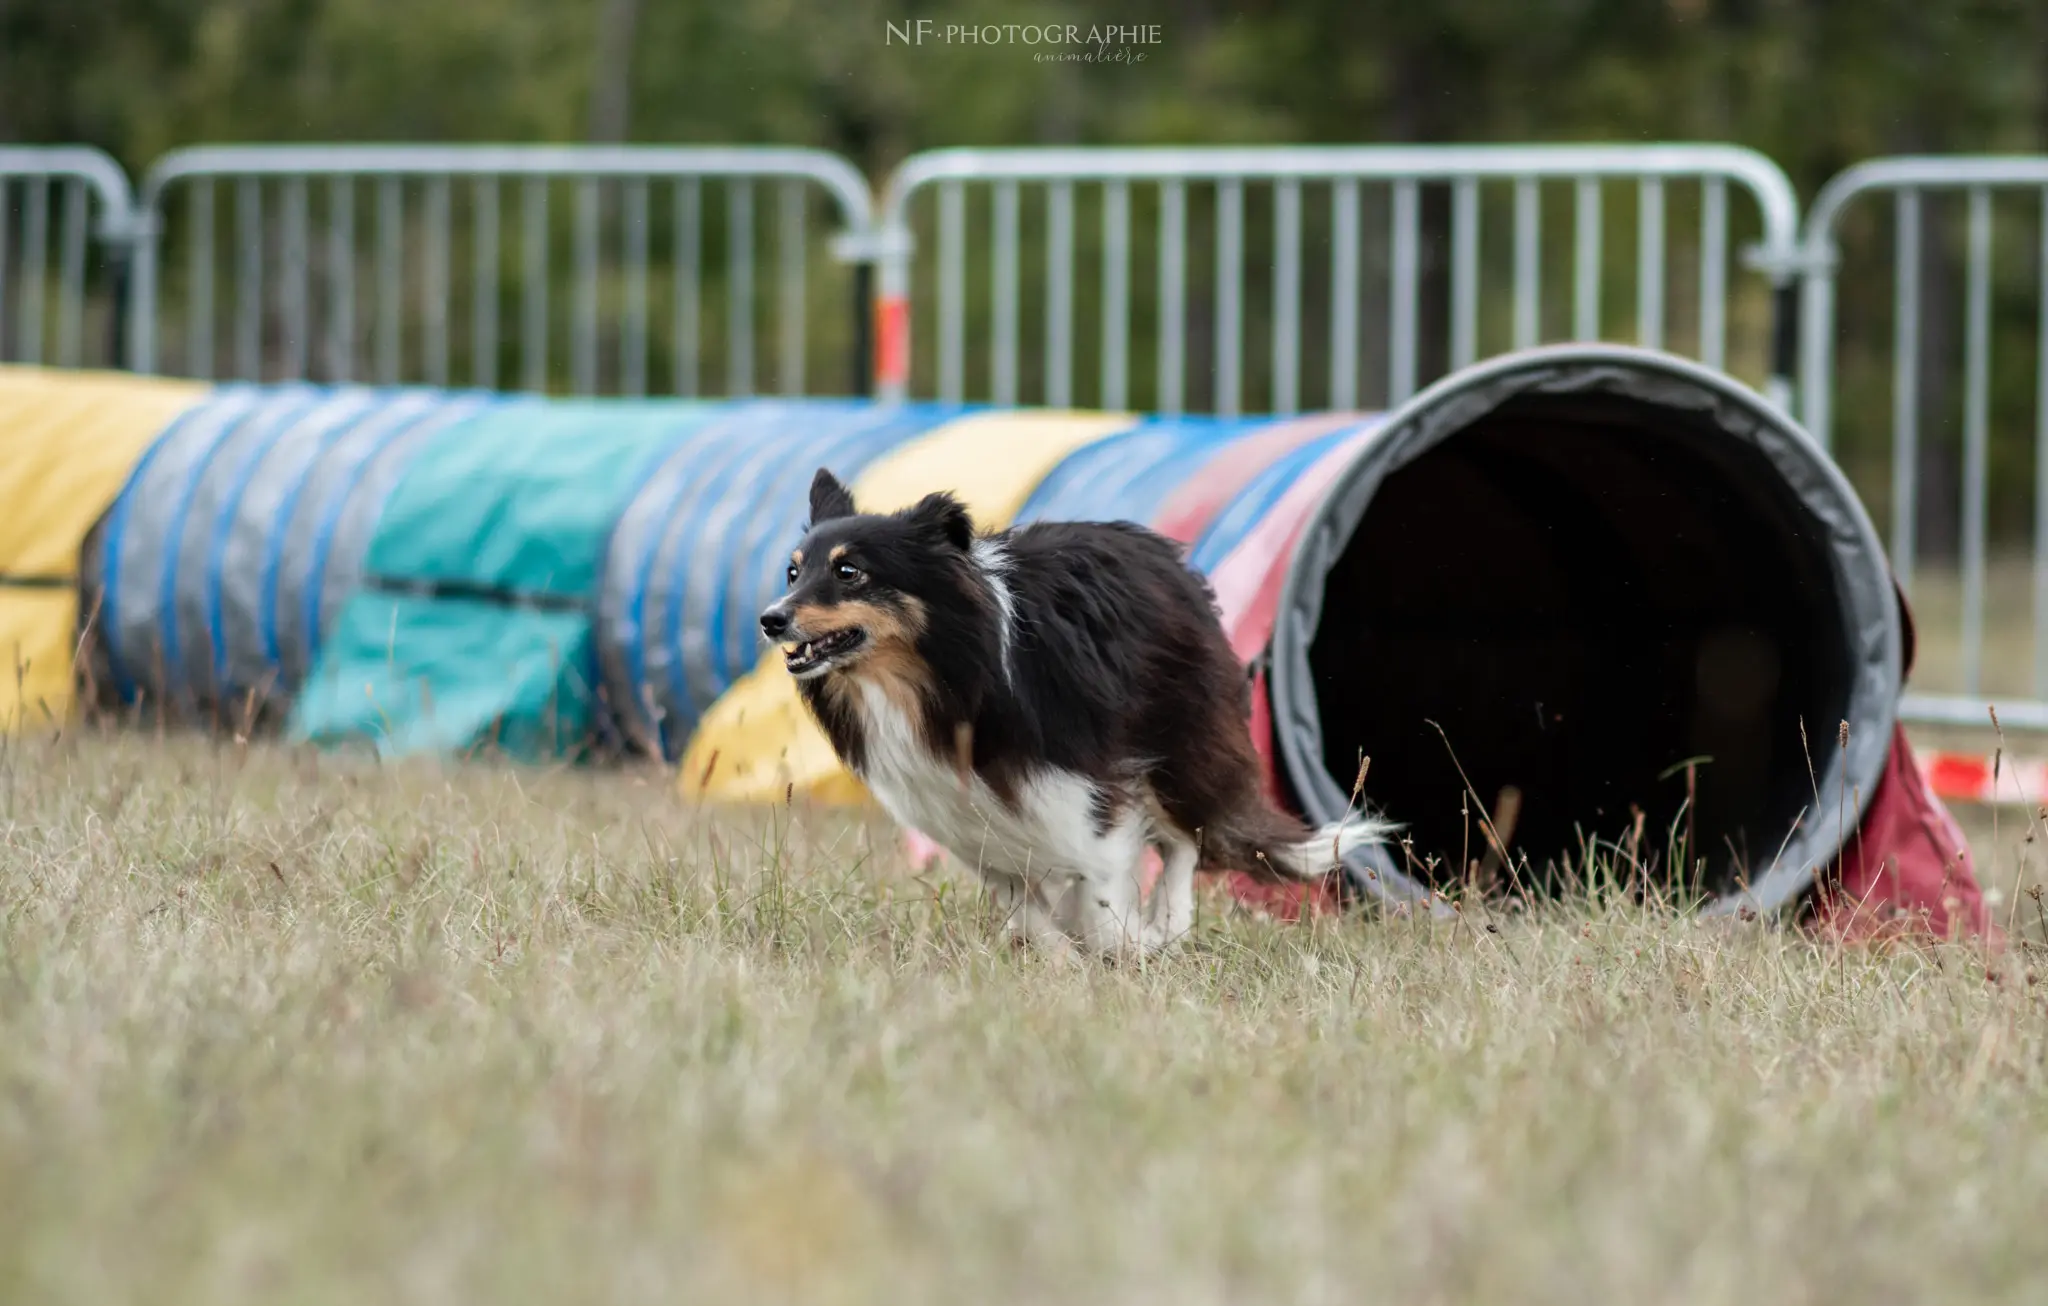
[1813, 83]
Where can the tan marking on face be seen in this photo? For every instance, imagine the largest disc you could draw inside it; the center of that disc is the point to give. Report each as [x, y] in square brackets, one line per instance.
[889, 659]
[838, 552]
[892, 663]
[897, 624]
[796, 559]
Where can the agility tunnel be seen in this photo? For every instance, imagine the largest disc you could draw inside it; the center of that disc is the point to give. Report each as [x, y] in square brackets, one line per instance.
[1630, 592]
[1598, 594]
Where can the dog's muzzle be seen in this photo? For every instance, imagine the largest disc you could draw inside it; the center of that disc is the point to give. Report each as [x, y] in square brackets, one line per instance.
[814, 657]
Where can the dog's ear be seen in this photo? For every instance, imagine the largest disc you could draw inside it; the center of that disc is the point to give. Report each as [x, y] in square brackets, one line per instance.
[944, 515]
[829, 498]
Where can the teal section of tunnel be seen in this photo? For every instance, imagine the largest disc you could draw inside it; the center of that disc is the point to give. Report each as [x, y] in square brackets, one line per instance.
[219, 568]
[473, 624]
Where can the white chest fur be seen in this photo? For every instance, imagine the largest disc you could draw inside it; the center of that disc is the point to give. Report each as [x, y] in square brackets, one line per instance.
[1050, 831]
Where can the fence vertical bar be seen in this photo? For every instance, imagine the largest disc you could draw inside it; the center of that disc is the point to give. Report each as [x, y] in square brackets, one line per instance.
[1906, 387]
[483, 290]
[249, 279]
[1586, 260]
[790, 317]
[199, 289]
[2041, 464]
[1976, 434]
[1344, 292]
[1464, 271]
[689, 237]
[533, 287]
[1816, 339]
[1406, 291]
[1287, 295]
[1116, 294]
[633, 314]
[1650, 263]
[1003, 365]
[1714, 272]
[71, 277]
[583, 331]
[739, 288]
[1059, 294]
[952, 292]
[1229, 295]
[1173, 292]
[292, 280]
[434, 276]
[341, 275]
[390, 278]
[1528, 265]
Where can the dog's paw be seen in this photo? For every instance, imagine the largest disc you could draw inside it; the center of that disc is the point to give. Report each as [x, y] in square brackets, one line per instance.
[1160, 939]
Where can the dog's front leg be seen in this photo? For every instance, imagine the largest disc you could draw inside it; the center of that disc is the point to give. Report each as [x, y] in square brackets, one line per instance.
[1170, 912]
[1106, 913]
[1027, 918]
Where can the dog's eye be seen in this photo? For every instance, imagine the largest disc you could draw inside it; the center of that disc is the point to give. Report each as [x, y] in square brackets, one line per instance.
[848, 574]
[792, 573]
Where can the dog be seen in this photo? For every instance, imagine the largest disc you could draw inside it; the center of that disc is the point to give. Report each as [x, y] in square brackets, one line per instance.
[1044, 703]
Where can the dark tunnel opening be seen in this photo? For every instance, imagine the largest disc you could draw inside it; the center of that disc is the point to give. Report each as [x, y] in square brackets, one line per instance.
[1586, 592]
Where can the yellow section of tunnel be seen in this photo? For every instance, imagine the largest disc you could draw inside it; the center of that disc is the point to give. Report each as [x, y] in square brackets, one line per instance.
[758, 743]
[68, 441]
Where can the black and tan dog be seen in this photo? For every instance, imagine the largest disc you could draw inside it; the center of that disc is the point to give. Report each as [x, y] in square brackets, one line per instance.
[1043, 703]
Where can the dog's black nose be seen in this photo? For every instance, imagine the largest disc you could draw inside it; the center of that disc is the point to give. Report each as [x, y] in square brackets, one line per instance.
[773, 623]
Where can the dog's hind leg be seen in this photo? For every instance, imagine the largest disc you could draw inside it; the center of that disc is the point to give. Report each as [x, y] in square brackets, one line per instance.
[1106, 910]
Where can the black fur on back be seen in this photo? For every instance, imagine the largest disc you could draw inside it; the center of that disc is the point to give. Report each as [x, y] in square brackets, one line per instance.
[1118, 668]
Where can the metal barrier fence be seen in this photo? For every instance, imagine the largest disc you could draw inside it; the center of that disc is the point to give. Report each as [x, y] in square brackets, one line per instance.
[77, 193]
[383, 277]
[1236, 279]
[1986, 646]
[1410, 178]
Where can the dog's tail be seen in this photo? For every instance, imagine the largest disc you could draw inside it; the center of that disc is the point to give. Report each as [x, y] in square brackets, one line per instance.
[1270, 846]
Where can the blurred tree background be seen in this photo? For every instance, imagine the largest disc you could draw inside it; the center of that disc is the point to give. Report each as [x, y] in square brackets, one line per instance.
[1815, 84]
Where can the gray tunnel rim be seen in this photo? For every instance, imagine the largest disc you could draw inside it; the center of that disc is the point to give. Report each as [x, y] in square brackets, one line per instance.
[1868, 600]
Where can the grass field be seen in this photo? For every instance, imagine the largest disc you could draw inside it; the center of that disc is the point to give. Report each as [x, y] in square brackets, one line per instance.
[277, 1028]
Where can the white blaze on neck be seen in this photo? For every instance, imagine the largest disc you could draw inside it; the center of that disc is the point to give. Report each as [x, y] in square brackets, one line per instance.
[1048, 830]
[993, 561]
